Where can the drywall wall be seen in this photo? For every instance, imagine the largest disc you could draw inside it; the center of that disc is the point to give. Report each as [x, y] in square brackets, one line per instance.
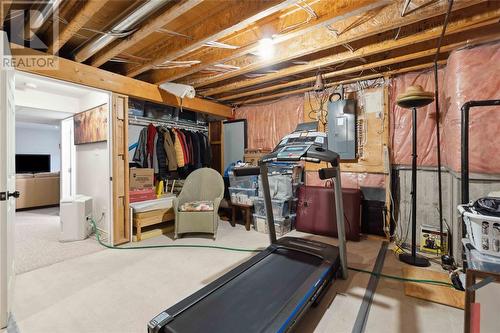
[92, 179]
[40, 139]
[93, 169]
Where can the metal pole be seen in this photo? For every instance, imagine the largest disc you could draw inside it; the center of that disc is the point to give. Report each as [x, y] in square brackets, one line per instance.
[438, 135]
[339, 208]
[267, 202]
[414, 186]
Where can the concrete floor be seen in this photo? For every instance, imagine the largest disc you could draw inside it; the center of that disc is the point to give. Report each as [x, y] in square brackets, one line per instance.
[121, 290]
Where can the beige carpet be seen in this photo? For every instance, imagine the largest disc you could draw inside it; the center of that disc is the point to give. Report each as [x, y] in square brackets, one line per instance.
[37, 240]
[119, 291]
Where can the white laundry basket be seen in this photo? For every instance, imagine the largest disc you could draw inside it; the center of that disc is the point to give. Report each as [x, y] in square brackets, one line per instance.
[482, 230]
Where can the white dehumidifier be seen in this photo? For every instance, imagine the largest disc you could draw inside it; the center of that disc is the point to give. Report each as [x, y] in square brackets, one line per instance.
[74, 215]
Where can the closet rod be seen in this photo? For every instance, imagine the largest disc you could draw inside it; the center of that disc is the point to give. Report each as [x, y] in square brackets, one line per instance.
[142, 121]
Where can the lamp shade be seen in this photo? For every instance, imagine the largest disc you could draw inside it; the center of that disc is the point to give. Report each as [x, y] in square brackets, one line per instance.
[414, 97]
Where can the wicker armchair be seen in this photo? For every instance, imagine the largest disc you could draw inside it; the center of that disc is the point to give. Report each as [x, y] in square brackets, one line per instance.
[201, 185]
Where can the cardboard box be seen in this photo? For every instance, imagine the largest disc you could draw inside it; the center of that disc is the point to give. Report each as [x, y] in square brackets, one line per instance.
[430, 240]
[141, 178]
[142, 195]
[254, 156]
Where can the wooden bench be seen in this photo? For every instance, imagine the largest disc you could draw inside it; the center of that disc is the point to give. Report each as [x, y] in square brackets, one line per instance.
[145, 219]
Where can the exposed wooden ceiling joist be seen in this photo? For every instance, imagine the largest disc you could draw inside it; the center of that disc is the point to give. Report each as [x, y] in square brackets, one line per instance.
[360, 68]
[286, 27]
[453, 28]
[236, 17]
[75, 24]
[75, 72]
[332, 84]
[4, 10]
[150, 27]
[321, 39]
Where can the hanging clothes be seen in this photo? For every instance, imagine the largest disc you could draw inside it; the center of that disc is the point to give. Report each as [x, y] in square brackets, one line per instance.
[150, 144]
[161, 154]
[169, 146]
[179, 151]
[197, 150]
[155, 154]
[184, 146]
[140, 154]
[207, 152]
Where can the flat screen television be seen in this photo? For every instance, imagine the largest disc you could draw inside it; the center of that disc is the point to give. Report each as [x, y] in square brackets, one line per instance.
[32, 163]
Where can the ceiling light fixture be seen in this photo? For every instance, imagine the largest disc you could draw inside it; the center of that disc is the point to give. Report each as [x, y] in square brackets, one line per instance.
[266, 48]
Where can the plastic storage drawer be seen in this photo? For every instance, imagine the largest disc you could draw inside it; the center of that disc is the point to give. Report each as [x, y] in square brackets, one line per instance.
[281, 207]
[243, 196]
[282, 225]
[243, 181]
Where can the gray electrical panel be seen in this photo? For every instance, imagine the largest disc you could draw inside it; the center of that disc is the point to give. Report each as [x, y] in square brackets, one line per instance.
[342, 128]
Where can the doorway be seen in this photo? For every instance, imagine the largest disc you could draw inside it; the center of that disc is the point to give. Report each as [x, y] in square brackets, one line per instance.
[52, 168]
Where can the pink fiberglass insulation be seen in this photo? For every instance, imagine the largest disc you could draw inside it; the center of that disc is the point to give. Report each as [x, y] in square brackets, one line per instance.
[472, 74]
[349, 179]
[401, 121]
[270, 122]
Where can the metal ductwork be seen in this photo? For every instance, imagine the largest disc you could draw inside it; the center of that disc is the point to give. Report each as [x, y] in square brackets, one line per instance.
[121, 29]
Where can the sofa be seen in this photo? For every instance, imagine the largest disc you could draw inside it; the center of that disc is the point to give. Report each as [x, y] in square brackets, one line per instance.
[38, 189]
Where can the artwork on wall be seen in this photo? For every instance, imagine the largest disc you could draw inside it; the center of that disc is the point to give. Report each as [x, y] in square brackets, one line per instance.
[91, 125]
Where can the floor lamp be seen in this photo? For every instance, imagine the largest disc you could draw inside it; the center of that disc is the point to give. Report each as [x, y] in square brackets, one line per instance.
[414, 97]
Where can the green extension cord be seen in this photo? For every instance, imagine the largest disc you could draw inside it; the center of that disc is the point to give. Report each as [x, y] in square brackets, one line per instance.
[393, 277]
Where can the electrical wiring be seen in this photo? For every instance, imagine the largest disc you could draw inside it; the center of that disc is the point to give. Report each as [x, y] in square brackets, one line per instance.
[98, 237]
[387, 276]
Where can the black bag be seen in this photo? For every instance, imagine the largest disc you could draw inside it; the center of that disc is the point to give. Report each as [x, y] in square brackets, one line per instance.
[488, 206]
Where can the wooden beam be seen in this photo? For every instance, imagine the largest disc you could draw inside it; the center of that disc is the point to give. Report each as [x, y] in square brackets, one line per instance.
[75, 24]
[287, 26]
[392, 60]
[322, 39]
[238, 15]
[147, 29]
[331, 84]
[4, 11]
[75, 72]
[461, 25]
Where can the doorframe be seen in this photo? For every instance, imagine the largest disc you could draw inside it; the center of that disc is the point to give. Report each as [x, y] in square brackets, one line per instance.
[7, 183]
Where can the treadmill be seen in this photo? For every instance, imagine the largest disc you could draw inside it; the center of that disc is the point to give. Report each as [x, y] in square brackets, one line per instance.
[271, 291]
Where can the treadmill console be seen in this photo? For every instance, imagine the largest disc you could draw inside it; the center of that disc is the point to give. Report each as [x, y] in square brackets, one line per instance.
[304, 144]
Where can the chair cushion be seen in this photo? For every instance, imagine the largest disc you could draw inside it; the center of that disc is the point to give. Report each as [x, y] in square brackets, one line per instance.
[197, 206]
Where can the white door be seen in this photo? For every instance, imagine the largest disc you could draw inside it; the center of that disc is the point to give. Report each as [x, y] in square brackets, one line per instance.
[68, 153]
[7, 184]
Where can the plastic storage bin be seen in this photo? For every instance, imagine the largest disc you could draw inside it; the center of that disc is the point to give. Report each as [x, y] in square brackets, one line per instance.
[243, 196]
[243, 181]
[282, 225]
[281, 207]
[483, 231]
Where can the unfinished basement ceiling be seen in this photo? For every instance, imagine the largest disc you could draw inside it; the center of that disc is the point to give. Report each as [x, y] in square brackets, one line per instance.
[214, 45]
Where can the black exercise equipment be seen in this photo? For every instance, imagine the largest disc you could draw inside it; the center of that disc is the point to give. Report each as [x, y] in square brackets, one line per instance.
[271, 291]
[414, 97]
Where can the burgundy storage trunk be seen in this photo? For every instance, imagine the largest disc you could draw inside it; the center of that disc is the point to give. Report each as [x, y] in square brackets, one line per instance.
[316, 211]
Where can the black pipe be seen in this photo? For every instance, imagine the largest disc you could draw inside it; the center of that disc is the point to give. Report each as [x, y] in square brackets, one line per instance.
[438, 135]
[414, 186]
[465, 143]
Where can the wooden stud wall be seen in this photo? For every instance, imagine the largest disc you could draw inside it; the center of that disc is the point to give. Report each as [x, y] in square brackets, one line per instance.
[377, 136]
[121, 219]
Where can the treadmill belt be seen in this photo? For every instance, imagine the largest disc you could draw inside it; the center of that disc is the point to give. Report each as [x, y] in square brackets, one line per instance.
[252, 299]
